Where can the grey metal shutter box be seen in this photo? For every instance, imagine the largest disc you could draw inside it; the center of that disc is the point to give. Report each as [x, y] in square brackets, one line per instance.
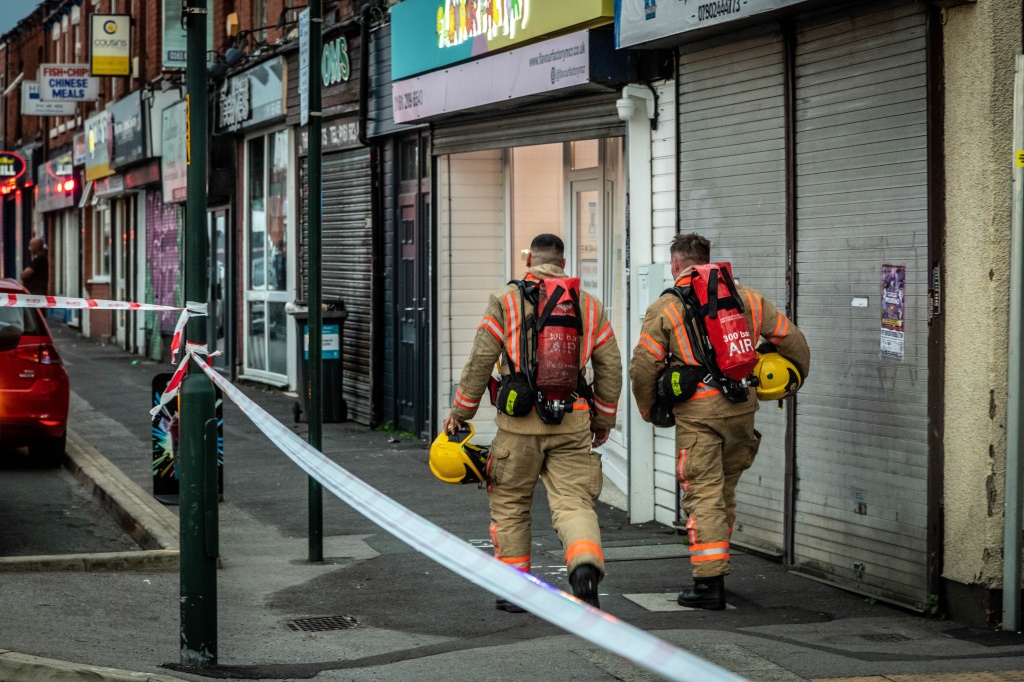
[732, 190]
[347, 264]
[584, 117]
[862, 421]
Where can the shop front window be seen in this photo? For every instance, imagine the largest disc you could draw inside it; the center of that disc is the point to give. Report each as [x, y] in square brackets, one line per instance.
[538, 182]
[570, 190]
[102, 243]
[267, 253]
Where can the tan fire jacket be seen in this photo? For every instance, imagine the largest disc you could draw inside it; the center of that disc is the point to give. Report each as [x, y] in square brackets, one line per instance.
[498, 337]
[663, 334]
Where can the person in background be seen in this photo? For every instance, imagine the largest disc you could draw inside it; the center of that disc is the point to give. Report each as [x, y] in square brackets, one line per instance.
[36, 277]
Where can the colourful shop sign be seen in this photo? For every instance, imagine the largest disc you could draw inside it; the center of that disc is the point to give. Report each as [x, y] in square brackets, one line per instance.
[12, 167]
[431, 34]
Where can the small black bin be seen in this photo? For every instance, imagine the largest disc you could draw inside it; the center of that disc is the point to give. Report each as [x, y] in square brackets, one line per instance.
[334, 316]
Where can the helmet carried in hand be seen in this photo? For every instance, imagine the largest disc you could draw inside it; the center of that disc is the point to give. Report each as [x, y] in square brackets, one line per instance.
[777, 377]
[453, 459]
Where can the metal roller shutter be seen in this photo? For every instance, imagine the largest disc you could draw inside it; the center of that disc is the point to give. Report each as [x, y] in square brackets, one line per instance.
[732, 189]
[347, 264]
[861, 159]
[581, 118]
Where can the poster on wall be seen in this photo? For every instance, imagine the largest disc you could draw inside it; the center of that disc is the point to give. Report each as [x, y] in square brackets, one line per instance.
[894, 288]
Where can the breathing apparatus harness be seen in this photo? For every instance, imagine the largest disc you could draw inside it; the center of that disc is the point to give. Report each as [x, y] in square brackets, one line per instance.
[549, 376]
[713, 315]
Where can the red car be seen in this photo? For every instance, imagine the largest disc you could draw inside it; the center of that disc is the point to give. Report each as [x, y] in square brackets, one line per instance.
[33, 383]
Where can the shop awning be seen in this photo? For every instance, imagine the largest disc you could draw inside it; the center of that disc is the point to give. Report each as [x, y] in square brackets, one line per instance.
[88, 199]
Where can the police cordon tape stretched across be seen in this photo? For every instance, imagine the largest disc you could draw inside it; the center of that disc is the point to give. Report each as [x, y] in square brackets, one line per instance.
[37, 301]
[533, 594]
[543, 600]
[191, 309]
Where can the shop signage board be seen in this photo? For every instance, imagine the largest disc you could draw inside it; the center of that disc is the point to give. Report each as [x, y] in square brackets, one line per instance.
[334, 136]
[78, 149]
[67, 83]
[12, 166]
[542, 67]
[110, 41]
[252, 97]
[145, 174]
[129, 137]
[175, 39]
[644, 21]
[173, 165]
[334, 65]
[57, 184]
[99, 141]
[111, 185]
[427, 35]
[33, 105]
[304, 67]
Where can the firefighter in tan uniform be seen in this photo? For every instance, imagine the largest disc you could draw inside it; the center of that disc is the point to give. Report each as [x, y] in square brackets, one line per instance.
[715, 438]
[525, 447]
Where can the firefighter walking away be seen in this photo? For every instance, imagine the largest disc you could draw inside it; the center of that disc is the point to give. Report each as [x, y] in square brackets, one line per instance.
[544, 331]
[695, 366]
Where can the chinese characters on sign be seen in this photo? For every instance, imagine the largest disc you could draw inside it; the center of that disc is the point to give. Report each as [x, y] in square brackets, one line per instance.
[894, 287]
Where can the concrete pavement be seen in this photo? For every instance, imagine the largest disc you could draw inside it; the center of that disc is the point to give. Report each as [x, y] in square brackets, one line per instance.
[404, 617]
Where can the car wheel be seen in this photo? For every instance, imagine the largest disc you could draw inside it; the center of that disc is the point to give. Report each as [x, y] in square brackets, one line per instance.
[48, 452]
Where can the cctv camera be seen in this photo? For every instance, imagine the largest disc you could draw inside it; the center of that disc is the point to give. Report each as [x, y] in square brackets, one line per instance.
[626, 107]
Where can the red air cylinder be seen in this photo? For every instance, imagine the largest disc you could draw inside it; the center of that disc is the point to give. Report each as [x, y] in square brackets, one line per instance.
[558, 339]
[722, 312]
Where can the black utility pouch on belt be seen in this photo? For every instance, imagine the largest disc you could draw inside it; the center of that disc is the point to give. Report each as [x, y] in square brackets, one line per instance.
[674, 384]
[515, 397]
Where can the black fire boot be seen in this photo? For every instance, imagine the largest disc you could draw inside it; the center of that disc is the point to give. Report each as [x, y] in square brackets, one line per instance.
[505, 605]
[706, 593]
[584, 582]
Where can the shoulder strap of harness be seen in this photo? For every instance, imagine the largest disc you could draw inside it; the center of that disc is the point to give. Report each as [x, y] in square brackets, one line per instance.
[695, 329]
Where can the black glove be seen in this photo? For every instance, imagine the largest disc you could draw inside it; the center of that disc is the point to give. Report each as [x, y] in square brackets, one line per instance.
[661, 414]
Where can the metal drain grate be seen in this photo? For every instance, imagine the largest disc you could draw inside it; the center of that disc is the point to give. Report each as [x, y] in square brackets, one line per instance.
[885, 638]
[323, 623]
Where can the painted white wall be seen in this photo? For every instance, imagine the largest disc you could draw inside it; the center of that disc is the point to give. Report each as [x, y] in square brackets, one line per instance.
[472, 217]
[664, 197]
[652, 196]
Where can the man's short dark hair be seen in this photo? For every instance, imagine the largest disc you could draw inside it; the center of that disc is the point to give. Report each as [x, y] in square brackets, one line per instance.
[547, 249]
[692, 247]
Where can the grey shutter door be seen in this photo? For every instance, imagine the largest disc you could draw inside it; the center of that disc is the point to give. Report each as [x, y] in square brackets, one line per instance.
[862, 454]
[347, 265]
[732, 190]
[585, 117]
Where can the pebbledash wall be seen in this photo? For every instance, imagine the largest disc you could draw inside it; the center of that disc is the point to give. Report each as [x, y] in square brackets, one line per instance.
[980, 41]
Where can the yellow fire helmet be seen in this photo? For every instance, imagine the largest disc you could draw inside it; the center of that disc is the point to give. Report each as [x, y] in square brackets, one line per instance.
[453, 459]
[778, 377]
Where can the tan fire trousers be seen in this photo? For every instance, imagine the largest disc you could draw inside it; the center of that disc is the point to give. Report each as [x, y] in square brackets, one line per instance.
[710, 457]
[571, 473]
